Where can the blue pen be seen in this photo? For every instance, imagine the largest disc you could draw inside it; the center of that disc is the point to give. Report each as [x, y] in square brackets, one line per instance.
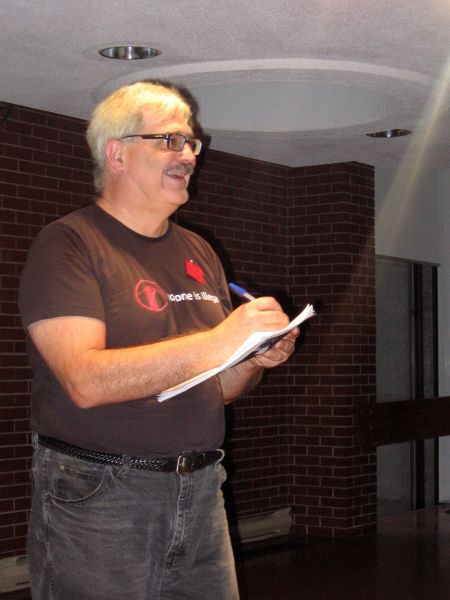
[239, 291]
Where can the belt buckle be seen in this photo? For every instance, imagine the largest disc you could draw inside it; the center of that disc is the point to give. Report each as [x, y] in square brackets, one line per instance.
[189, 462]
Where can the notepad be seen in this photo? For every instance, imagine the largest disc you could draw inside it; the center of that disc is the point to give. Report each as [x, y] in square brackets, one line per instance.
[256, 343]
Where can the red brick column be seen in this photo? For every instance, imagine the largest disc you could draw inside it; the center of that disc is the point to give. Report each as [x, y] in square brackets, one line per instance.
[331, 262]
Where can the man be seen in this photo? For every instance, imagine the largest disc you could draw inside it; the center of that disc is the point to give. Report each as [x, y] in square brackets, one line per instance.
[121, 304]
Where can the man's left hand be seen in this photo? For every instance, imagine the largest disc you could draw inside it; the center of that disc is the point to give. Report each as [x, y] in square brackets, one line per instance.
[279, 352]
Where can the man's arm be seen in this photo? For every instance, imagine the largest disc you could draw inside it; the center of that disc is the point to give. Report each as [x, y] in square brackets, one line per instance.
[92, 375]
[246, 375]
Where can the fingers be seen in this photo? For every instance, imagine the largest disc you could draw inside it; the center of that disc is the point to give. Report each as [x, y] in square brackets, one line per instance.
[279, 353]
[262, 314]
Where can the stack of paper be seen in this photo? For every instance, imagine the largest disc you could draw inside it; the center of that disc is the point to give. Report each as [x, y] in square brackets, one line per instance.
[256, 343]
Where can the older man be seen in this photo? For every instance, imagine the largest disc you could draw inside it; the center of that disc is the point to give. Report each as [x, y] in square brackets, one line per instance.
[120, 303]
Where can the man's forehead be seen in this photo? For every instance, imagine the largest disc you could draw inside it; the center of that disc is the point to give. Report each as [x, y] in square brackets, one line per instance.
[171, 124]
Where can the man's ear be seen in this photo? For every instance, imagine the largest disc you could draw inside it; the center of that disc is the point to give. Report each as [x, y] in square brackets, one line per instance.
[114, 155]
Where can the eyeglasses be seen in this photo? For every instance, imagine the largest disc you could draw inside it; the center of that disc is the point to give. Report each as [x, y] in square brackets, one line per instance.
[174, 141]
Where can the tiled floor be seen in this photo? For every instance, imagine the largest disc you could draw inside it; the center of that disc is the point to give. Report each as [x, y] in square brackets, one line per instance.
[409, 559]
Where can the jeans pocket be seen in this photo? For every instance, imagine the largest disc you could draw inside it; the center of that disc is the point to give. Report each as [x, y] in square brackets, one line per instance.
[73, 480]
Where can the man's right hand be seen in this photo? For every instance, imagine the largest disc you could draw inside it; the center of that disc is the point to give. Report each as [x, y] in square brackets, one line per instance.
[262, 314]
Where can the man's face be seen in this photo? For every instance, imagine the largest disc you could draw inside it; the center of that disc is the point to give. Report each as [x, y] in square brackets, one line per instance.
[159, 176]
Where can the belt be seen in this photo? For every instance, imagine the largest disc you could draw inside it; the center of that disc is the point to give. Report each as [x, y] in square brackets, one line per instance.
[182, 464]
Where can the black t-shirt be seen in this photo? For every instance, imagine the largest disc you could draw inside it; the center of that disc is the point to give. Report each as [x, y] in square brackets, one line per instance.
[144, 289]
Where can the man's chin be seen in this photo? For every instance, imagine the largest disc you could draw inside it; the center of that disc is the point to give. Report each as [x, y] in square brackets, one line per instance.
[179, 198]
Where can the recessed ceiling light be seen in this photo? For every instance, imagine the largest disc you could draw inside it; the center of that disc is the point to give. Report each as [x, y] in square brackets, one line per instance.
[129, 52]
[390, 133]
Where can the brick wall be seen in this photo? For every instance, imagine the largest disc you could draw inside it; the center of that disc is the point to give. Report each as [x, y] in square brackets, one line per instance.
[299, 234]
[44, 173]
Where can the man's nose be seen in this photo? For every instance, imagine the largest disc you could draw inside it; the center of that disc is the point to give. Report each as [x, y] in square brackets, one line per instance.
[188, 153]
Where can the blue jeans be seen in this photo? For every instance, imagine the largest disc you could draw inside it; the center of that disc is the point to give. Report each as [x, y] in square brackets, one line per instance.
[114, 533]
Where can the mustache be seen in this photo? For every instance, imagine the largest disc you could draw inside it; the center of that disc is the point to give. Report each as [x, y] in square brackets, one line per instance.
[181, 169]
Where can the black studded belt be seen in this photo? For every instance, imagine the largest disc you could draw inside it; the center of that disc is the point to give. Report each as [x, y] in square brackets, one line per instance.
[182, 464]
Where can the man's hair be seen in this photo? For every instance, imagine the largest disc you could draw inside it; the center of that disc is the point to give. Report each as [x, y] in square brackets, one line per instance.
[121, 114]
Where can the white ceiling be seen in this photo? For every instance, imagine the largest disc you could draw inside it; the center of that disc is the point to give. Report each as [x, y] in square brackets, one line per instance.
[294, 82]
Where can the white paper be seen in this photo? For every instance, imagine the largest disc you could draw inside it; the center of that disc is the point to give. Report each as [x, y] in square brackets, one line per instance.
[256, 343]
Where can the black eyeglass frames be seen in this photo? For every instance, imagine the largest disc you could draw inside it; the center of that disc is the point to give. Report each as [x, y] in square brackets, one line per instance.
[174, 141]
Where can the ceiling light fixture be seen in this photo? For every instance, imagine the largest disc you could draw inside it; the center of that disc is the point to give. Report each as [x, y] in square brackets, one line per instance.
[390, 133]
[129, 52]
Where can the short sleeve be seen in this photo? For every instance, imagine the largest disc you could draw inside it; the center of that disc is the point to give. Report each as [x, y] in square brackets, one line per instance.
[59, 278]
